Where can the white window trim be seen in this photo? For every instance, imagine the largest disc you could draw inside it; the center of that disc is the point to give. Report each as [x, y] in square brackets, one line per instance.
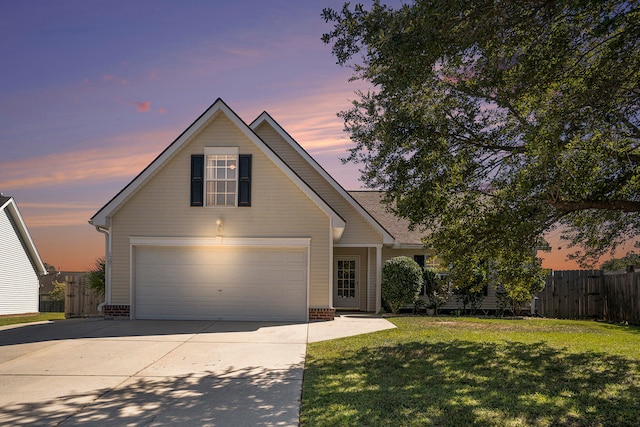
[222, 151]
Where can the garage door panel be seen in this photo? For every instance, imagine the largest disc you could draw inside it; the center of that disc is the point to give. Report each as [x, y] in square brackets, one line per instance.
[239, 283]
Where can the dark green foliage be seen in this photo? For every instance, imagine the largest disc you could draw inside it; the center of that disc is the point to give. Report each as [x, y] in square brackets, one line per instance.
[617, 264]
[492, 123]
[436, 288]
[96, 276]
[469, 286]
[401, 282]
[520, 283]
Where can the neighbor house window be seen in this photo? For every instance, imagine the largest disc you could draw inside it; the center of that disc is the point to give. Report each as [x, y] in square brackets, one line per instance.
[221, 177]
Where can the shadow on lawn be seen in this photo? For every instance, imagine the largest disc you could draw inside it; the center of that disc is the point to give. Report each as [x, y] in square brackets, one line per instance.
[460, 383]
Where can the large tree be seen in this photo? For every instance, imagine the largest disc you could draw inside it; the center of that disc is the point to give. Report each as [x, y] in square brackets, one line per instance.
[491, 123]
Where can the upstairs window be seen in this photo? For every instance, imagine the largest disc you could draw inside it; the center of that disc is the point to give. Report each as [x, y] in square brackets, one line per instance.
[221, 178]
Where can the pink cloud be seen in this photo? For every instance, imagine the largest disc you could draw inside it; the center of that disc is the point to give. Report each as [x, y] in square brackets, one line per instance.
[143, 107]
[121, 157]
[162, 110]
[111, 77]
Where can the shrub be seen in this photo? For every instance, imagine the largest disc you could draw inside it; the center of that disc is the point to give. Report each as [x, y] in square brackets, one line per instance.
[401, 282]
[519, 284]
[469, 288]
[96, 276]
[436, 288]
[58, 292]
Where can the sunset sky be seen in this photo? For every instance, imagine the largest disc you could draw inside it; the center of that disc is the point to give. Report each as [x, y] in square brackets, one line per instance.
[92, 91]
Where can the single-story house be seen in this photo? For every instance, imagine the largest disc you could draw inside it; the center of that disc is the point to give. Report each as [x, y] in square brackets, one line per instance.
[20, 262]
[237, 221]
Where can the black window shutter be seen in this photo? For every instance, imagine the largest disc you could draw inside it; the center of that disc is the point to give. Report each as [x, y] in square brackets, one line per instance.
[197, 180]
[244, 180]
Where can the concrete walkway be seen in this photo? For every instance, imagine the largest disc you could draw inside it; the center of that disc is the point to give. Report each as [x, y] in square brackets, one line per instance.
[192, 373]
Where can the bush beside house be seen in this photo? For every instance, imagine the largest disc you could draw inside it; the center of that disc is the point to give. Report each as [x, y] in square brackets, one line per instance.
[401, 282]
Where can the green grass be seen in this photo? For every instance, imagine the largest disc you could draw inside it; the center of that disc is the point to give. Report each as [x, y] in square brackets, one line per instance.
[4, 321]
[485, 372]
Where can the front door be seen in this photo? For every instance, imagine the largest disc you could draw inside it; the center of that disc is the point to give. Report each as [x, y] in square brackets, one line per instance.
[345, 283]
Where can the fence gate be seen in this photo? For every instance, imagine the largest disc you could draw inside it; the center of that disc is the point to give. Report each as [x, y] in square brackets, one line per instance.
[81, 300]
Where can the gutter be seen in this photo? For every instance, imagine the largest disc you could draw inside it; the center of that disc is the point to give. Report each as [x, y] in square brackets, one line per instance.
[107, 276]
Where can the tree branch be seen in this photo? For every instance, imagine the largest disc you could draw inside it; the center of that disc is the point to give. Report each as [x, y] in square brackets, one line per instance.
[606, 205]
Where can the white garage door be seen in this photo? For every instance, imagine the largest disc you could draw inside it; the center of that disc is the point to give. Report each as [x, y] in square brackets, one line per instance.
[237, 283]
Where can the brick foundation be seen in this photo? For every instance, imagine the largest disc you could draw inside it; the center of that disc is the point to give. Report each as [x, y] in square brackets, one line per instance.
[112, 311]
[321, 314]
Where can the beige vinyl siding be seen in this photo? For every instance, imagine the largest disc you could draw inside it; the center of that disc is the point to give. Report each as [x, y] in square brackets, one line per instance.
[161, 207]
[18, 280]
[363, 277]
[489, 302]
[357, 230]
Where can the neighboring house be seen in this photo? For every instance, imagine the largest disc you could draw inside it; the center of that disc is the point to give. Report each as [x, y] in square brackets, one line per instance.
[237, 222]
[20, 263]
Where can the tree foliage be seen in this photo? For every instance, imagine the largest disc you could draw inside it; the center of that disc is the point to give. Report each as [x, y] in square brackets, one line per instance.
[96, 276]
[492, 123]
[401, 282]
[436, 288]
[518, 284]
[59, 291]
[469, 282]
[617, 264]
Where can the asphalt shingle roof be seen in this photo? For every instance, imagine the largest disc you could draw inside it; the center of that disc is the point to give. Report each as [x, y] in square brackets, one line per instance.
[398, 227]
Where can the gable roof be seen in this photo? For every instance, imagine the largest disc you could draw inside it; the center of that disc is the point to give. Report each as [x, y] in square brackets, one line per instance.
[100, 219]
[371, 200]
[387, 238]
[8, 205]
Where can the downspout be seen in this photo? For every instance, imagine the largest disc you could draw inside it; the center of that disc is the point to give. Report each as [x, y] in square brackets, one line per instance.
[107, 266]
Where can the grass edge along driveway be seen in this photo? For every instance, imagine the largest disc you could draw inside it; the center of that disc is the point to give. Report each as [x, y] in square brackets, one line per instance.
[470, 371]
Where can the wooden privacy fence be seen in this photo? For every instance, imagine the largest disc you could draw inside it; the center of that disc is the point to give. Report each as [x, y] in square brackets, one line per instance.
[591, 294]
[81, 300]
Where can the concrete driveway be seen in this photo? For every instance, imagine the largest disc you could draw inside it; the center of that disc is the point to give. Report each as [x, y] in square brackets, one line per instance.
[192, 373]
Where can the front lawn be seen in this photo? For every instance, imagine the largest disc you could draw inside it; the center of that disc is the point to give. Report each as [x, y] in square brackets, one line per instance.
[466, 371]
[4, 321]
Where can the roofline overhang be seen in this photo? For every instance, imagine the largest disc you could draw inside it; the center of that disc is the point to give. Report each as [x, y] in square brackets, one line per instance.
[387, 238]
[100, 219]
[27, 241]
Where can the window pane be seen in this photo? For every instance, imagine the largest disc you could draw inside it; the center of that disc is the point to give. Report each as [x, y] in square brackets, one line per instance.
[221, 174]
